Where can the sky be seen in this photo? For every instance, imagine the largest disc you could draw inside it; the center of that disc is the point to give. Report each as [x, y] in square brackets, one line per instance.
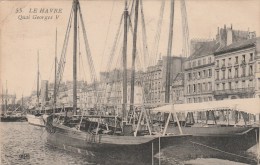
[20, 40]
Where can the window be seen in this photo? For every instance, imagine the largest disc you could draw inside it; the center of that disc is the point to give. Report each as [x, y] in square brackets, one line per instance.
[199, 87]
[204, 61]
[209, 60]
[251, 56]
[217, 86]
[236, 59]
[258, 83]
[229, 85]
[206, 87]
[223, 86]
[199, 75]
[223, 74]
[210, 86]
[194, 63]
[223, 62]
[229, 61]
[244, 58]
[210, 72]
[210, 98]
[204, 73]
[199, 62]
[194, 88]
[236, 72]
[243, 84]
[244, 71]
[229, 73]
[189, 76]
[236, 85]
[217, 75]
[217, 63]
[250, 70]
[250, 84]
[203, 87]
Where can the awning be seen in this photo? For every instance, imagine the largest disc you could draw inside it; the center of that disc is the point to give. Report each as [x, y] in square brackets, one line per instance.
[251, 105]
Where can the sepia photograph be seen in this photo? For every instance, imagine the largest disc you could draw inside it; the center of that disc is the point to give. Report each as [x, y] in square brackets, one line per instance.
[130, 82]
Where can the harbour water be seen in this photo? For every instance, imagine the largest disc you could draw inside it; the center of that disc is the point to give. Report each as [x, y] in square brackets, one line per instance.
[25, 144]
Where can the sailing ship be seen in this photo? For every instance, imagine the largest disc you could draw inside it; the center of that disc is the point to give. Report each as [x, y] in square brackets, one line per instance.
[11, 116]
[99, 134]
[37, 115]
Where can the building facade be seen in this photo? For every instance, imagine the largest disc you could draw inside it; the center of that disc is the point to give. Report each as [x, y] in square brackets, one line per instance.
[198, 72]
[237, 70]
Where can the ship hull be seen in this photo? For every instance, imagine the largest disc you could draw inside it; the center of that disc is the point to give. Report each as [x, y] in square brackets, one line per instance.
[13, 119]
[36, 120]
[229, 139]
[128, 148]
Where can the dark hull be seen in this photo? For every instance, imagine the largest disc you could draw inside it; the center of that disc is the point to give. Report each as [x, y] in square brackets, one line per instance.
[13, 119]
[127, 148]
[224, 138]
[220, 142]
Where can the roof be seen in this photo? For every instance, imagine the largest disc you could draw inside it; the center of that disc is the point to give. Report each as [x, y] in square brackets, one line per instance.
[204, 48]
[238, 45]
[179, 76]
[246, 105]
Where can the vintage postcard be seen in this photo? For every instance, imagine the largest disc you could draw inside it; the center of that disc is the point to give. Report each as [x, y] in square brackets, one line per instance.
[130, 82]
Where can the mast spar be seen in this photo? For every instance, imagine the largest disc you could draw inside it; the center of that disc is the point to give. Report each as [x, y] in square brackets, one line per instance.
[125, 62]
[55, 76]
[169, 51]
[75, 11]
[38, 72]
[134, 56]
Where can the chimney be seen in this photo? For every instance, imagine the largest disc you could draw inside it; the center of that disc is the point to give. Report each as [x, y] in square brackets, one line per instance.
[229, 36]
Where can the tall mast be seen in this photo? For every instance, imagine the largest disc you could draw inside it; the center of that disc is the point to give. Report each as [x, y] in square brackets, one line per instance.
[125, 62]
[38, 72]
[75, 11]
[2, 105]
[168, 60]
[22, 103]
[6, 97]
[55, 75]
[134, 55]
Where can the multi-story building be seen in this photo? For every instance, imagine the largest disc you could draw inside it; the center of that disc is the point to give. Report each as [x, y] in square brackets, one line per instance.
[154, 79]
[237, 70]
[198, 72]
[203, 70]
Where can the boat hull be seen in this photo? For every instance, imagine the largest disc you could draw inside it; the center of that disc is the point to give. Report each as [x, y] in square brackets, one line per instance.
[13, 119]
[128, 148]
[36, 120]
[230, 139]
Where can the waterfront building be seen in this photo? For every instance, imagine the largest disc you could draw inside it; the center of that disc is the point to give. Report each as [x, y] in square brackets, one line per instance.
[198, 72]
[154, 79]
[237, 70]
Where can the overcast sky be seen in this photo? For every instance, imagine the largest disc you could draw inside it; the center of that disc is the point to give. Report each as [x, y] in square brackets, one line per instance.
[21, 39]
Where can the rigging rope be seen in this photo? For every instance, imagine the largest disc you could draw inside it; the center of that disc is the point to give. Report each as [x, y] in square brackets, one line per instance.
[145, 46]
[109, 22]
[62, 62]
[185, 30]
[88, 53]
[158, 34]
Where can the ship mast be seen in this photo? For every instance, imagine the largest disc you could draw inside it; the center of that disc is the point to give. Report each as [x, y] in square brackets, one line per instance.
[6, 98]
[125, 63]
[55, 76]
[168, 60]
[134, 56]
[75, 11]
[38, 72]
